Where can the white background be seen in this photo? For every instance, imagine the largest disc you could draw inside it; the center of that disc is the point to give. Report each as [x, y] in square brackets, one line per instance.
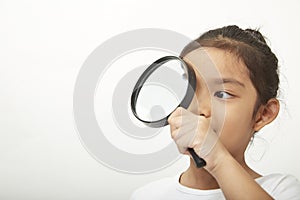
[42, 47]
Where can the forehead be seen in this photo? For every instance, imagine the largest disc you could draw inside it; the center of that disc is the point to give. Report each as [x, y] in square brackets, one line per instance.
[213, 63]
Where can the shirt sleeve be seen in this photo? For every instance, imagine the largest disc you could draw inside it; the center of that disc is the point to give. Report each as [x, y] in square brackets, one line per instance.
[286, 188]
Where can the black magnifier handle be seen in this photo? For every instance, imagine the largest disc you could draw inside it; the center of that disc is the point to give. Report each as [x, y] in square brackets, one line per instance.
[199, 162]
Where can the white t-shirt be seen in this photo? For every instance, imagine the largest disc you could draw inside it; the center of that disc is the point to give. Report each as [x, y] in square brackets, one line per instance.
[281, 187]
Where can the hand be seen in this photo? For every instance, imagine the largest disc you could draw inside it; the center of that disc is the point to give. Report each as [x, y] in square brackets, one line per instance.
[193, 131]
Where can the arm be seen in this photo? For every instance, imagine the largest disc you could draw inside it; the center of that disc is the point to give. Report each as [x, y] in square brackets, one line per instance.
[233, 179]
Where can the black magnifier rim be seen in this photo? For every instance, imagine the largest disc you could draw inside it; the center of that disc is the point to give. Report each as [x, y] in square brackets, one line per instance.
[145, 75]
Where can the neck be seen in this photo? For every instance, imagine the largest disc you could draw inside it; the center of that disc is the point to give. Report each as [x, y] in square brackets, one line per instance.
[201, 179]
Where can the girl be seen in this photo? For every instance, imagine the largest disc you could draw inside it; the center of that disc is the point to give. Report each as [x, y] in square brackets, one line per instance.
[243, 98]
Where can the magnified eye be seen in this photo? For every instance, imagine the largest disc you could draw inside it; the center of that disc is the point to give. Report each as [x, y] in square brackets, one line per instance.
[223, 95]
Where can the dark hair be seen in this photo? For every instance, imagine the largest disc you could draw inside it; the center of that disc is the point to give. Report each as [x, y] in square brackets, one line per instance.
[250, 46]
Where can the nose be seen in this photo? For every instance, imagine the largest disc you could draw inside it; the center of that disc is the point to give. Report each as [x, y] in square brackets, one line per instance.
[201, 103]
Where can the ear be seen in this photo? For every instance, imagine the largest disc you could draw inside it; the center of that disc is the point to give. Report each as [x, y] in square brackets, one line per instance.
[266, 114]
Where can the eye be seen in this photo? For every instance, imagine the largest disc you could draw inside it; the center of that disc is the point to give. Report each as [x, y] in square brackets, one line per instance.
[223, 95]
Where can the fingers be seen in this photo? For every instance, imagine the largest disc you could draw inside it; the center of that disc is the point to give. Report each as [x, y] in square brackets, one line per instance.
[186, 139]
[176, 117]
[178, 112]
[175, 122]
[181, 140]
[182, 122]
[188, 130]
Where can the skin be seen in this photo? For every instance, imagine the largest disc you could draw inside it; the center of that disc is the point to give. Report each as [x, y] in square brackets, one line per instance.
[227, 97]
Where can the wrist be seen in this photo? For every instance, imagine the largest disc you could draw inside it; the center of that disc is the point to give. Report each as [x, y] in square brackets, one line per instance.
[217, 160]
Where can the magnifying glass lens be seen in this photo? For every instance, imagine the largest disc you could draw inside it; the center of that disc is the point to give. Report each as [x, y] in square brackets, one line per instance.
[162, 91]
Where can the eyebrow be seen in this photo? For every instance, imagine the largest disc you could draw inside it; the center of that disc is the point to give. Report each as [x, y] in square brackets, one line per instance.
[230, 81]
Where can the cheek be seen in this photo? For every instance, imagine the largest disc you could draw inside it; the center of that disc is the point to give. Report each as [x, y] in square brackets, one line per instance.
[237, 130]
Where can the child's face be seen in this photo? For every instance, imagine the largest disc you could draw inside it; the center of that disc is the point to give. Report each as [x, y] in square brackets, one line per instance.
[228, 98]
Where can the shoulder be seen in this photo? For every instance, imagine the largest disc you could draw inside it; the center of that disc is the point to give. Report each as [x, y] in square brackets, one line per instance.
[281, 186]
[156, 189]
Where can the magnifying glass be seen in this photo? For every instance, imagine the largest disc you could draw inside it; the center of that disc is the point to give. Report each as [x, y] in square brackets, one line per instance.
[165, 85]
